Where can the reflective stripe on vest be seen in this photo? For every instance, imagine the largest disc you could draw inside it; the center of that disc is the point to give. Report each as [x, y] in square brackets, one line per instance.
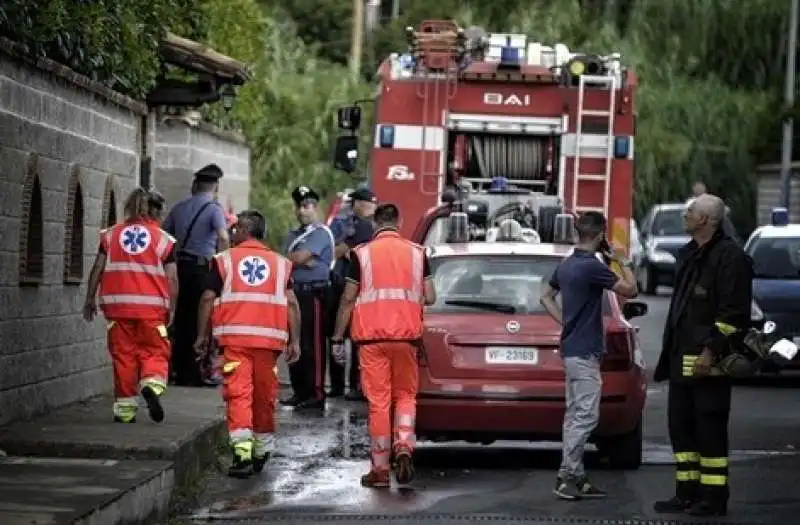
[135, 267]
[148, 300]
[240, 329]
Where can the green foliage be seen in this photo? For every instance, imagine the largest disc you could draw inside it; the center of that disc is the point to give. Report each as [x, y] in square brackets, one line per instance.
[113, 42]
[287, 111]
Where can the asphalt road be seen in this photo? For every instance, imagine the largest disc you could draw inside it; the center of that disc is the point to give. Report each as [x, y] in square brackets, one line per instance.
[315, 476]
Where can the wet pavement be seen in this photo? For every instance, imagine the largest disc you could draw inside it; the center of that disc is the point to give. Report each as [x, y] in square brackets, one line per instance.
[315, 474]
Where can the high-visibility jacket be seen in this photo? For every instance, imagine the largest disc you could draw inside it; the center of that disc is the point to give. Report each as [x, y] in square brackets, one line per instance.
[390, 299]
[252, 310]
[134, 284]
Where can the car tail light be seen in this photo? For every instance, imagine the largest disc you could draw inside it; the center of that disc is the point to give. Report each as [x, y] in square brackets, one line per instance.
[618, 352]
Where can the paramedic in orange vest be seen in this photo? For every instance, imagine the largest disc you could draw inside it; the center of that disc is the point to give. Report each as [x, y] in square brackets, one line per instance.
[254, 317]
[136, 274]
[388, 284]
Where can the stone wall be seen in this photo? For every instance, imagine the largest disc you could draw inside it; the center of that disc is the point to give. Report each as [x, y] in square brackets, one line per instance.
[68, 157]
[70, 153]
[181, 149]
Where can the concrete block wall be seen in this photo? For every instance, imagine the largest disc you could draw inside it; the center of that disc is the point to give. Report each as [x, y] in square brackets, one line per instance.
[69, 154]
[181, 149]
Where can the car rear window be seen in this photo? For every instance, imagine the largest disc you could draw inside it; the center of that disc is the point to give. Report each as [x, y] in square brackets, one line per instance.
[505, 280]
[776, 257]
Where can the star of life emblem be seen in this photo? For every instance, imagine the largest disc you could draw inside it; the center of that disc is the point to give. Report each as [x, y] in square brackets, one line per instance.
[134, 239]
[253, 271]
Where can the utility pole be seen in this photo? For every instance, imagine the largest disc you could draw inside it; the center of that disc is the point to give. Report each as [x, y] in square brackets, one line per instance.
[372, 20]
[395, 9]
[788, 123]
[357, 38]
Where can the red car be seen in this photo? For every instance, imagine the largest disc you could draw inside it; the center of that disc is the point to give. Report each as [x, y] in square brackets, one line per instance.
[491, 369]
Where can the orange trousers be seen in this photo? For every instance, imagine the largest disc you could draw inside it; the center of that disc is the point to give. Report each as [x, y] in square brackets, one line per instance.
[140, 353]
[250, 390]
[390, 379]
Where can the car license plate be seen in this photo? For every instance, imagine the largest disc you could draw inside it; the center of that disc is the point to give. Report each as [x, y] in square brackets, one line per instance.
[511, 355]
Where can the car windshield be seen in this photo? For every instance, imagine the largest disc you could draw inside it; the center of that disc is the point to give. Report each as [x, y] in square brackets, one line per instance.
[491, 283]
[776, 258]
[669, 222]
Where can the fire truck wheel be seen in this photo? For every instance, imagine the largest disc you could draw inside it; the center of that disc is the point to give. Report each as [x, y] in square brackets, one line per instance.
[546, 222]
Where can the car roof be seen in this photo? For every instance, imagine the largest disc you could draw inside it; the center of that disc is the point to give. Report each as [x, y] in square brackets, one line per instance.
[500, 248]
[777, 232]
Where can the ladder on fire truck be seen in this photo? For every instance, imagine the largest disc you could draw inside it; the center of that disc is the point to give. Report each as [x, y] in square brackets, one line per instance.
[595, 82]
[435, 44]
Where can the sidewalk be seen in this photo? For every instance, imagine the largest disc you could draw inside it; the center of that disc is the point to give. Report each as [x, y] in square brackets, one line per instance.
[75, 465]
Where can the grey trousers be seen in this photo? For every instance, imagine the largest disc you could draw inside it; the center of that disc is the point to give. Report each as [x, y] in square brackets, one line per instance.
[582, 414]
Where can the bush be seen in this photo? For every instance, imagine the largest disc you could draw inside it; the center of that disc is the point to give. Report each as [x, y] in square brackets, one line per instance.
[110, 41]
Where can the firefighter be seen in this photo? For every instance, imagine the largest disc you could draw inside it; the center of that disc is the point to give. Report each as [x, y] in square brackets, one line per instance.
[708, 314]
[388, 283]
[254, 317]
[311, 250]
[137, 277]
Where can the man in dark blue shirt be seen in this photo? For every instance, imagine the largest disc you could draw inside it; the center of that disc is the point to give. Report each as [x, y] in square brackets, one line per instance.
[582, 280]
[350, 229]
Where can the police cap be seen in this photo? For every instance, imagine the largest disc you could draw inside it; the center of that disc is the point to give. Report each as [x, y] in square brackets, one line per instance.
[363, 194]
[302, 194]
[209, 173]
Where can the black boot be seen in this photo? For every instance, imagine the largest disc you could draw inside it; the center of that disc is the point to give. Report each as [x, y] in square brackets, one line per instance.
[674, 505]
[354, 395]
[260, 462]
[311, 404]
[707, 509]
[241, 467]
[153, 404]
[292, 401]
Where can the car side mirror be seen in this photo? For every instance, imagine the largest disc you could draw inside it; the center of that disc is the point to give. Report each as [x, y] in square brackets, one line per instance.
[349, 118]
[633, 309]
[345, 156]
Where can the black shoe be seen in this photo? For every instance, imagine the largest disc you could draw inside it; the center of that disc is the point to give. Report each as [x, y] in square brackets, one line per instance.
[291, 401]
[354, 395]
[566, 489]
[587, 490]
[674, 505]
[404, 467]
[240, 468]
[118, 419]
[153, 404]
[336, 392]
[705, 509]
[258, 463]
[311, 404]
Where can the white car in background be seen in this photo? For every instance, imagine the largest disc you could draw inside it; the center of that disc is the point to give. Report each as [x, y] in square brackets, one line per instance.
[635, 243]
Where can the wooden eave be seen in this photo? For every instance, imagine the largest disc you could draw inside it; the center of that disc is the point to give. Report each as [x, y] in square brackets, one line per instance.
[199, 58]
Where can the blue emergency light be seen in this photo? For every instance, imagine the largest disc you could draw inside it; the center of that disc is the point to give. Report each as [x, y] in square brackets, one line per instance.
[499, 184]
[386, 137]
[509, 57]
[780, 217]
[622, 147]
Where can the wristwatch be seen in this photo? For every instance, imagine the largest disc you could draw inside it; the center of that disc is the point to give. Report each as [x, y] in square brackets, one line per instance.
[627, 263]
[337, 341]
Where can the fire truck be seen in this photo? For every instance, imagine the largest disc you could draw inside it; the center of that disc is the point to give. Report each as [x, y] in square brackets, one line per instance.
[497, 126]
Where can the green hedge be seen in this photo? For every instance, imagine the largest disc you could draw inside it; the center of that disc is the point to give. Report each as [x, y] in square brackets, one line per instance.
[111, 41]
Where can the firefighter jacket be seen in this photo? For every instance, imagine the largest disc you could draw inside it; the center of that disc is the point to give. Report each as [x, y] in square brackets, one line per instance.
[252, 309]
[390, 299]
[134, 283]
[710, 305]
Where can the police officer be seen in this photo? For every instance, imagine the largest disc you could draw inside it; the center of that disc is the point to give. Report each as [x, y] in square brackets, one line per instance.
[198, 223]
[350, 229]
[708, 315]
[310, 249]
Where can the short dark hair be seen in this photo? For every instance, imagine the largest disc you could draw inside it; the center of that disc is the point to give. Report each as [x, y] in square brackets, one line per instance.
[252, 222]
[589, 225]
[387, 214]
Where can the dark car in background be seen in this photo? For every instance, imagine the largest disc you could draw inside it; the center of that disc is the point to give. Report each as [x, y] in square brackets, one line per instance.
[662, 235]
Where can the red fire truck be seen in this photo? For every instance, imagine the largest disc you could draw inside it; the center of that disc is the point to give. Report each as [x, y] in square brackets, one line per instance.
[499, 126]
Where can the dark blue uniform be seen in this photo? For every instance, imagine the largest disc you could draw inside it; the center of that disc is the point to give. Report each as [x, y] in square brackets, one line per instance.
[352, 230]
[204, 216]
[311, 284]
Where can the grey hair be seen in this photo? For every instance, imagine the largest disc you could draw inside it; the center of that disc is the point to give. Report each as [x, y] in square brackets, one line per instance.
[711, 206]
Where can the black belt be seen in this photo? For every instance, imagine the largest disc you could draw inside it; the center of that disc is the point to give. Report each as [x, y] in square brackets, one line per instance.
[191, 258]
[313, 286]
